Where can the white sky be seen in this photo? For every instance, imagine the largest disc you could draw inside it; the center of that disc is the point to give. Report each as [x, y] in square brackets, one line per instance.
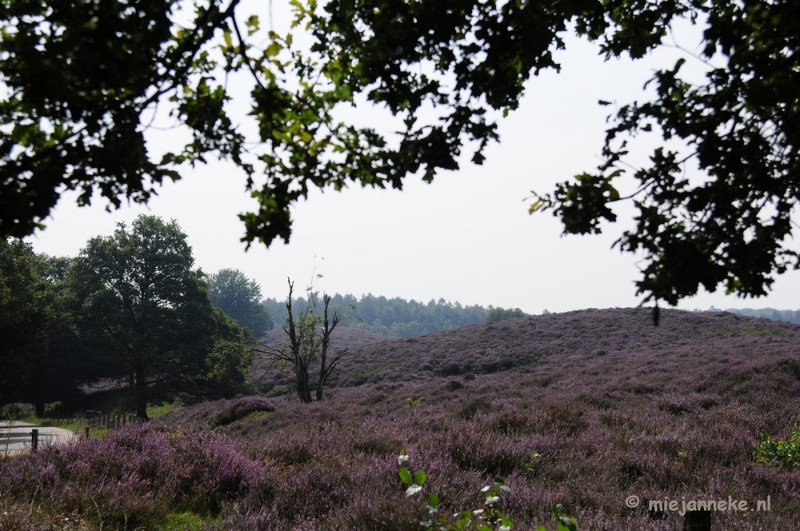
[466, 237]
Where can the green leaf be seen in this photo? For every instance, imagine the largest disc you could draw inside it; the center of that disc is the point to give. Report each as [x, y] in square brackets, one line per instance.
[273, 49]
[433, 500]
[420, 477]
[405, 476]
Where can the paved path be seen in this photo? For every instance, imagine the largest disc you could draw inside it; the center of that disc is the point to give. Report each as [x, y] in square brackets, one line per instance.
[19, 440]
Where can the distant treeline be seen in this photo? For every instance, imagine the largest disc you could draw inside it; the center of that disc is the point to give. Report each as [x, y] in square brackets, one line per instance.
[788, 316]
[397, 317]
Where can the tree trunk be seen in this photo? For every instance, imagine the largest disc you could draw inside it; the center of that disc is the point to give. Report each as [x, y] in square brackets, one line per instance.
[326, 339]
[140, 392]
[323, 355]
[301, 373]
[697, 521]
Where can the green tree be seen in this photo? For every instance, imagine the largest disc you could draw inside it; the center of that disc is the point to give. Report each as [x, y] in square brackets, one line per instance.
[108, 65]
[149, 312]
[23, 315]
[22, 297]
[43, 359]
[240, 297]
[495, 315]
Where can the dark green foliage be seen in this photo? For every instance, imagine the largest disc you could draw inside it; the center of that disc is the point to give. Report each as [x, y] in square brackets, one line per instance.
[42, 357]
[494, 315]
[82, 78]
[148, 312]
[22, 295]
[396, 316]
[738, 125]
[740, 128]
[239, 297]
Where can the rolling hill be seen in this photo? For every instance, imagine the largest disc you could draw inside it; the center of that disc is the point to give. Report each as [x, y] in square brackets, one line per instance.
[592, 409]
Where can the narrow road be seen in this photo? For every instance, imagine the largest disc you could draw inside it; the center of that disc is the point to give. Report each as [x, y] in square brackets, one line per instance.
[19, 438]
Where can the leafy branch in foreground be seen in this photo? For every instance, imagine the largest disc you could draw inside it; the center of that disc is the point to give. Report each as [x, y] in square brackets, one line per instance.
[488, 518]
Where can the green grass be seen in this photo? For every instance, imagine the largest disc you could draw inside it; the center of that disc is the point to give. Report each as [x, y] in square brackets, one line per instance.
[160, 411]
[253, 415]
[182, 522]
[66, 425]
[746, 331]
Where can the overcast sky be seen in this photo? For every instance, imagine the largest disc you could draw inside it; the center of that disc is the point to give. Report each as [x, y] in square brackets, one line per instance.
[466, 237]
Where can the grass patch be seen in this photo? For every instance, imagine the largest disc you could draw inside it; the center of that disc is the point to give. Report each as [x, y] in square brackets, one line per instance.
[744, 331]
[183, 522]
[252, 416]
[160, 411]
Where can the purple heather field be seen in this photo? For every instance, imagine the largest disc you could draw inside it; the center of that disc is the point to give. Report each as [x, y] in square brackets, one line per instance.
[583, 409]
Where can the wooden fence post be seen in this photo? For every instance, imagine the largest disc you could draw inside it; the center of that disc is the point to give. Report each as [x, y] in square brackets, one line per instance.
[697, 521]
[34, 440]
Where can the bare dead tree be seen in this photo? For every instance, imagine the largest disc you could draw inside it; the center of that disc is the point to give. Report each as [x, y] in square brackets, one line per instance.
[304, 343]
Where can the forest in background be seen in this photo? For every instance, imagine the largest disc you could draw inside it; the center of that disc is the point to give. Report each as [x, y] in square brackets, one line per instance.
[788, 316]
[401, 318]
[398, 317]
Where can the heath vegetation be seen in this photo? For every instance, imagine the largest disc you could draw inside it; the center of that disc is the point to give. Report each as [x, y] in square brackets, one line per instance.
[582, 409]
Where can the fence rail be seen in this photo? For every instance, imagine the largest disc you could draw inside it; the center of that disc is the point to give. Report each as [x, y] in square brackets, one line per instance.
[96, 420]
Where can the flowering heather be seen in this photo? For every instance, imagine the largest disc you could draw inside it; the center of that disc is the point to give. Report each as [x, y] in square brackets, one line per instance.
[220, 412]
[583, 409]
[132, 479]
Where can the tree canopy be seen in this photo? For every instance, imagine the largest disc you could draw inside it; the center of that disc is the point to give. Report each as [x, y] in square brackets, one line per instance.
[393, 316]
[146, 307]
[42, 357]
[83, 79]
[240, 298]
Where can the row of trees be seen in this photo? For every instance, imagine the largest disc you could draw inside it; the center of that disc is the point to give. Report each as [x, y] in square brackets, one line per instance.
[130, 308]
[789, 316]
[401, 318]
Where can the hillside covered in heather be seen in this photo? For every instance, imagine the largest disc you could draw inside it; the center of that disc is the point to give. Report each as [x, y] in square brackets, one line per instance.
[583, 342]
[583, 409]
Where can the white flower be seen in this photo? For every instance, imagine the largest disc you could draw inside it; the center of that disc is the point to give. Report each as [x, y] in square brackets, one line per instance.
[402, 460]
[491, 500]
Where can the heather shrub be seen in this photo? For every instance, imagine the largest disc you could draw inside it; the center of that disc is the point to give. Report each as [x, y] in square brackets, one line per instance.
[239, 408]
[279, 390]
[136, 477]
[675, 404]
[488, 518]
[454, 385]
[591, 436]
[474, 407]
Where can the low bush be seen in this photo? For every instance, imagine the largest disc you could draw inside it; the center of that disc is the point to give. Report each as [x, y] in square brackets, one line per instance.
[239, 408]
[782, 452]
